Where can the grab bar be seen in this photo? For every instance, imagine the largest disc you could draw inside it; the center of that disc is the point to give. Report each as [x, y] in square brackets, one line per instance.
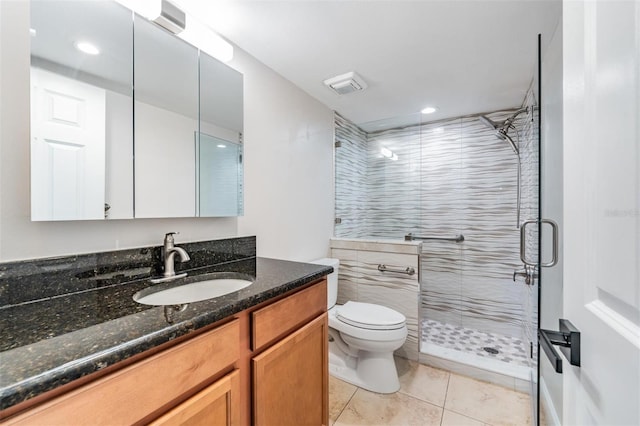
[457, 238]
[408, 271]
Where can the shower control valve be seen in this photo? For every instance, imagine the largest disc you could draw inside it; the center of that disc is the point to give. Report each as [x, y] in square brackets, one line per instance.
[529, 274]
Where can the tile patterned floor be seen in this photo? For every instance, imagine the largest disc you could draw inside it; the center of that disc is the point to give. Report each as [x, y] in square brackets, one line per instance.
[428, 396]
[510, 349]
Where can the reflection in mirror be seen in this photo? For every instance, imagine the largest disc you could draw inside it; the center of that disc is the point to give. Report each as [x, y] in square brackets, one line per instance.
[81, 110]
[166, 118]
[220, 165]
[220, 177]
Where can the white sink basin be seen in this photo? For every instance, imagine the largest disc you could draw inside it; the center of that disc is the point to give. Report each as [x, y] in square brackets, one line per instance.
[192, 292]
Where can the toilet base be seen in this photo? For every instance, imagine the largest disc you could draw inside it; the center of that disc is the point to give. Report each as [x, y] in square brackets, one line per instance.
[373, 371]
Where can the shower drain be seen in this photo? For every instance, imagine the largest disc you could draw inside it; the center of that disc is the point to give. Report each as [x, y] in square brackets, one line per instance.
[493, 351]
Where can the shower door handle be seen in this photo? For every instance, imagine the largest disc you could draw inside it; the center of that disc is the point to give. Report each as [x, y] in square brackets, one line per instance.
[523, 243]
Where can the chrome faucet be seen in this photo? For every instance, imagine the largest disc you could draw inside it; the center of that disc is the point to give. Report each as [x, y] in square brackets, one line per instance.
[169, 256]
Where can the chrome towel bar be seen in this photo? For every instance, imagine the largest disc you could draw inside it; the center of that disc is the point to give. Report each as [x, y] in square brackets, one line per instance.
[408, 271]
[457, 238]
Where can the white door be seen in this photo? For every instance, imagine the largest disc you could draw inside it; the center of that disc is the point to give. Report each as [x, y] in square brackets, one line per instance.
[602, 210]
[67, 148]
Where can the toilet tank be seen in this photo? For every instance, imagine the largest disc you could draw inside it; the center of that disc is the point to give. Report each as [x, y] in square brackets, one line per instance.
[332, 279]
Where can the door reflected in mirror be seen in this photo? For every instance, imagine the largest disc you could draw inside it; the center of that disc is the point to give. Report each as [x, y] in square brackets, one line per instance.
[81, 111]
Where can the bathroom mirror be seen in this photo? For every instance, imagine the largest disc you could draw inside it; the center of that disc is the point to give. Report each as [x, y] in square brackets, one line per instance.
[81, 110]
[180, 94]
[220, 155]
[166, 118]
[83, 141]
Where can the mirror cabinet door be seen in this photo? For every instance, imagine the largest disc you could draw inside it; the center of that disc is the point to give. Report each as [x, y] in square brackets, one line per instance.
[81, 110]
[166, 122]
[220, 156]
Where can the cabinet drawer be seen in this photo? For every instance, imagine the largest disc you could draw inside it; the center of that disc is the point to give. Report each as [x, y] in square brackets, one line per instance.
[280, 318]
[217, 404]
[133, 393]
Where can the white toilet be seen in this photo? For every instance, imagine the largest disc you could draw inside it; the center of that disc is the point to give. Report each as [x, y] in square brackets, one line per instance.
[362, 338]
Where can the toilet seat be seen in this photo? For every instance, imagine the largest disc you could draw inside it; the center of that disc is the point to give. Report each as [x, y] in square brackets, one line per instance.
[370, 316]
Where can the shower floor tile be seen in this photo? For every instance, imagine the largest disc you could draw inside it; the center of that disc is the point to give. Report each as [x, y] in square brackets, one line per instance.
[509, 349]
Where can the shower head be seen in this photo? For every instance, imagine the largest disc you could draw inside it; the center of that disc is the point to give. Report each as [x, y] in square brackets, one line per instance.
[502, 127]
[490, 123]
[502, 134]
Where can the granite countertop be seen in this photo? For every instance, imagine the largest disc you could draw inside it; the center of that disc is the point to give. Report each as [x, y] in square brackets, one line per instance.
[48, 342]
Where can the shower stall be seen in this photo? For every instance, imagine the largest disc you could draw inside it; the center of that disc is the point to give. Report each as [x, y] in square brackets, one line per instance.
[461, 187]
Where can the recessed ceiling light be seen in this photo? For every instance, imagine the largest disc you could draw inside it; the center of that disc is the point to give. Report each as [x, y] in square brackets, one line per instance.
[386, 152]
[221, 146]
[86, 47]
[429, 110]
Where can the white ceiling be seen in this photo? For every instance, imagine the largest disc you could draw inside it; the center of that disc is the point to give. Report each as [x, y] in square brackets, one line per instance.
[464, 57]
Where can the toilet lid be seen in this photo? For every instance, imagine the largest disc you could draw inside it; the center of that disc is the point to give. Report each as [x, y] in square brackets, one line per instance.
[370, 316]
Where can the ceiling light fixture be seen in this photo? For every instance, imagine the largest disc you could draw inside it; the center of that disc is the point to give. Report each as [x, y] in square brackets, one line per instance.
[188, 28]
[171, 17]
[386, 152]
[429, 110]
[203, 37]
[221, 145]
[86, 47]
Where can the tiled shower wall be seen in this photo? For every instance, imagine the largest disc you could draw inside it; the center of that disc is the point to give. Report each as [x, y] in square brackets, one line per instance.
[450, 177]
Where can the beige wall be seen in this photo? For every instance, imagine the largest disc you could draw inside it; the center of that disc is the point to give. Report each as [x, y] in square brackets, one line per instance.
[288, 169]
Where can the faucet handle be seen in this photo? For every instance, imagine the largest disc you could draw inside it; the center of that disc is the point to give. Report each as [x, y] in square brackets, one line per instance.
[168, 237]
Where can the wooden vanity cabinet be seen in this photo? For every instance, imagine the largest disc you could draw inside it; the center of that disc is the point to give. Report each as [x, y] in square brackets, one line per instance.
[290, 376]
[267, 366]
[144, 390]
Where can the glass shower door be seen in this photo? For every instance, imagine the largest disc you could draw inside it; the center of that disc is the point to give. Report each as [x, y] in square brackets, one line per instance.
[542, 215]
[549, 387]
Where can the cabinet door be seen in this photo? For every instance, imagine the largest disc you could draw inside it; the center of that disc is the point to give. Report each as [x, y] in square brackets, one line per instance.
[290, 381]
[218, 404]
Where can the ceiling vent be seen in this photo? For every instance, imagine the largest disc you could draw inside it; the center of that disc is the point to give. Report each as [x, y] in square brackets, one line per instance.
[171, 18]
[346, 83]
